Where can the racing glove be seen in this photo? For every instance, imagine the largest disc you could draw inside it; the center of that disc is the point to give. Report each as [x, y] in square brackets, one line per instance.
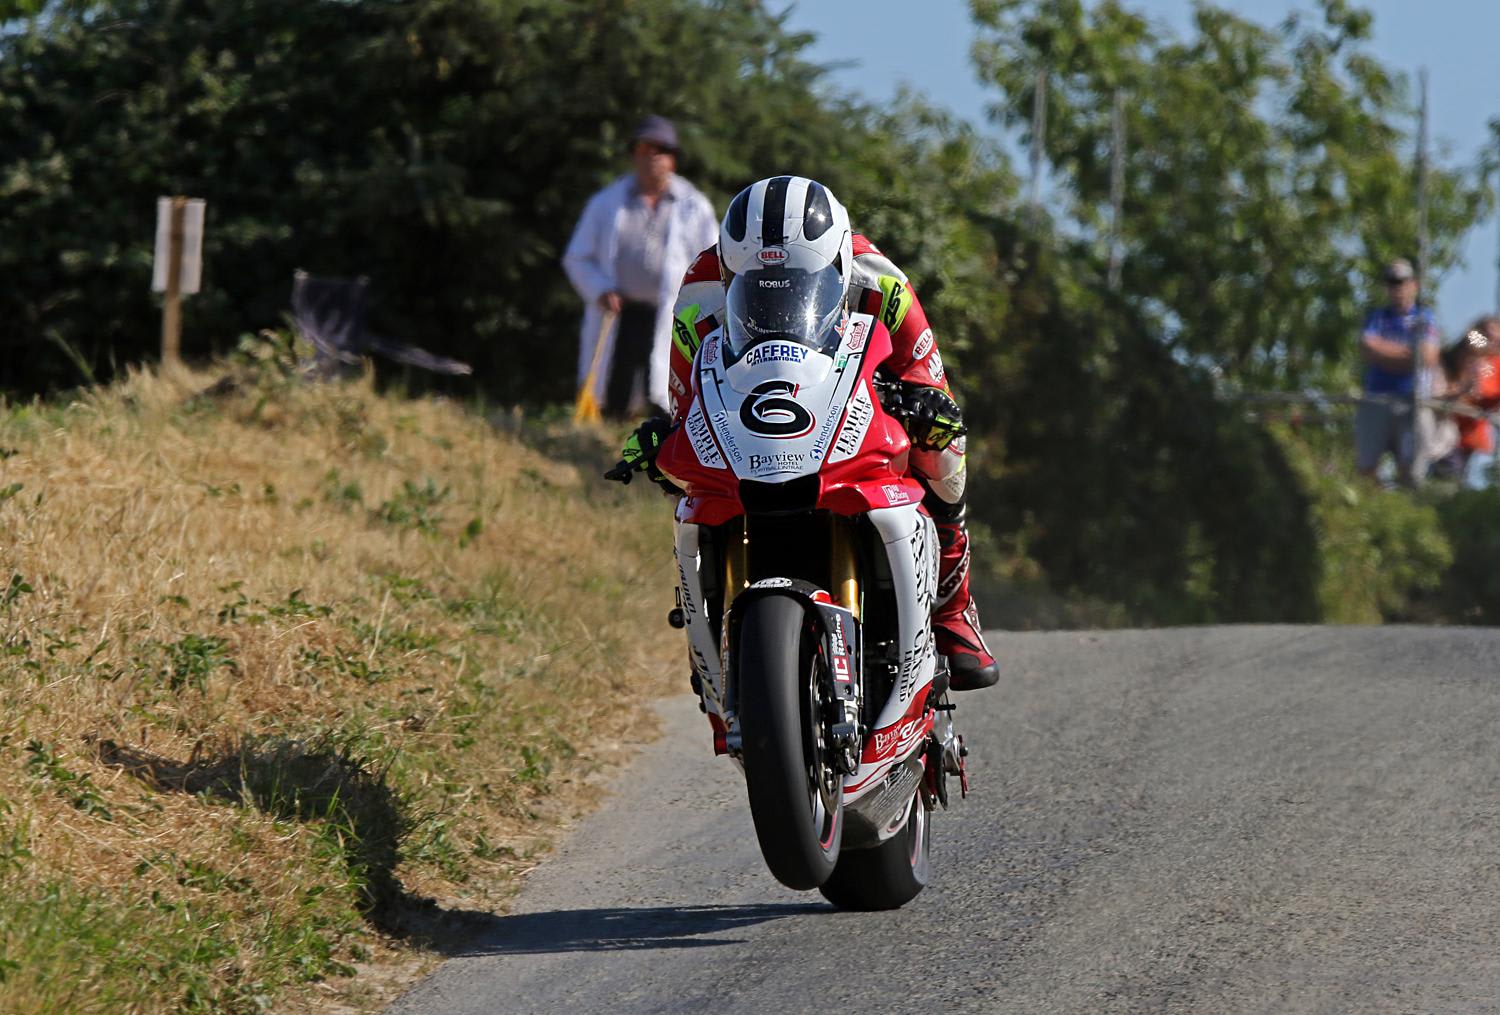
[640, 451]
[933, 418]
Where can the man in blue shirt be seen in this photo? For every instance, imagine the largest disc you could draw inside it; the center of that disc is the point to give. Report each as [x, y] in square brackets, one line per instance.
[1398, 342]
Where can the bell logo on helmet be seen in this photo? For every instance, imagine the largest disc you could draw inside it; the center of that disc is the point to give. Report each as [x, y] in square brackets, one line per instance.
[768, 215]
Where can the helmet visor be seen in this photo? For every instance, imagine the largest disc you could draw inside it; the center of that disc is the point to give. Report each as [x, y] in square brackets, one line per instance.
[784, 304]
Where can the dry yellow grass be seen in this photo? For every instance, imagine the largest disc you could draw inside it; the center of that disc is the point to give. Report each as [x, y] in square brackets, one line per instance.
[251, 641]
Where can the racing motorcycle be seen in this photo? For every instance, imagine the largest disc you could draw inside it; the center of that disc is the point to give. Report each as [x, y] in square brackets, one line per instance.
[807, 577]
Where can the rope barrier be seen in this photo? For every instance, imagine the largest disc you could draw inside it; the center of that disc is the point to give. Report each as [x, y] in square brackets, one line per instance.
[1400, 403]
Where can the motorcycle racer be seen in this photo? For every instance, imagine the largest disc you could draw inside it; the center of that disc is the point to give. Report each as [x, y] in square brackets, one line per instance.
[764, 220]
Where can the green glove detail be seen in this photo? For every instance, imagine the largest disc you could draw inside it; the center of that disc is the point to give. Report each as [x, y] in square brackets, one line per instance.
[642, 446]
[933, 419]
[640, 451]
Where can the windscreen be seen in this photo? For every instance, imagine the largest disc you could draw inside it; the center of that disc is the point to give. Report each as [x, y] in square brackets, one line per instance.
[784, 304]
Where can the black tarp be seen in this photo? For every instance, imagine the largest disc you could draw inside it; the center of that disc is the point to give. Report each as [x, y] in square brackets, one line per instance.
[330, 313]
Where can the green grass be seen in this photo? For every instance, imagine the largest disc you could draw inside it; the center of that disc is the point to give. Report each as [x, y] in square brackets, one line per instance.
[133, 948]
[281, 666]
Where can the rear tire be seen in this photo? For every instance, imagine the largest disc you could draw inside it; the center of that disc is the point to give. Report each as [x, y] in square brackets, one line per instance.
[798, 821]
[889, 875]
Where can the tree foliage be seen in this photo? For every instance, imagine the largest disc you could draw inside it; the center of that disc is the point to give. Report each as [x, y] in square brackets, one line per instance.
[15, 10]
[1268, 171]
[444, 148]
[1121, 473]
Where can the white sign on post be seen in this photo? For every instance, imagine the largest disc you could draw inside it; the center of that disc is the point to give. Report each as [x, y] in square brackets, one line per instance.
[191, 273]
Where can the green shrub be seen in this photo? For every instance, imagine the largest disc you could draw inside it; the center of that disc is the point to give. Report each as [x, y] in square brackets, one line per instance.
[1471, 587]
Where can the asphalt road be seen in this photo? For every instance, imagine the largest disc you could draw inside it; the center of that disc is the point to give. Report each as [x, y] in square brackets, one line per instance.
[1255, 819]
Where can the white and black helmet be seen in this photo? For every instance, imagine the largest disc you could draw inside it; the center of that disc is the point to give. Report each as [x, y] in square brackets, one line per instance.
[785, 222]
[786, 254]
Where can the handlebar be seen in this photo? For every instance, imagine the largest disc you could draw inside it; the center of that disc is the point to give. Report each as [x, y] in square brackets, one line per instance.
[896, 399]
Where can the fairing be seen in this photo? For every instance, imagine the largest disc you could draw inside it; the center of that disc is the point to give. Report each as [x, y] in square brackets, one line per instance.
[774, 420]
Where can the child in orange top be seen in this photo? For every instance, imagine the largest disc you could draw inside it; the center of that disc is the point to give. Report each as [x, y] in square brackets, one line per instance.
[1479, 387]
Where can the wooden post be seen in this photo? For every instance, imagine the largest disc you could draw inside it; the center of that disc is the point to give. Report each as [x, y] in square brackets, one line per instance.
[171, 311]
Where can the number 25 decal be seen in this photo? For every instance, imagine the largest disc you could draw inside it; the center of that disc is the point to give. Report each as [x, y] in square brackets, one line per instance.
[769, 413]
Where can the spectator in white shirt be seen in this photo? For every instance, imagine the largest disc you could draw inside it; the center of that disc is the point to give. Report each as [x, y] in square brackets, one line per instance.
[629, 251]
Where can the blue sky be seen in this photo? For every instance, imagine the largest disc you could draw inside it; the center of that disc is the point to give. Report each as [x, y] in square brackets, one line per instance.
[925, 44]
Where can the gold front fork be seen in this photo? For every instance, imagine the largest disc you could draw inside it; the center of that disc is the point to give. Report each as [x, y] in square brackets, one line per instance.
[736, 566]
[843, 565]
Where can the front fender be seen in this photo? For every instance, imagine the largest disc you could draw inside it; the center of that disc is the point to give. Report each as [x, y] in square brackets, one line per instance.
[835, 627]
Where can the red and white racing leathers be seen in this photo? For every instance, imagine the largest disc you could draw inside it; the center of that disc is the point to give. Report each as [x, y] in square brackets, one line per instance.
[879, 288]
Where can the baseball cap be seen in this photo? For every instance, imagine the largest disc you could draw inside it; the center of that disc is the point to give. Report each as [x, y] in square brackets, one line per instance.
[1399, 270]
[658, 130]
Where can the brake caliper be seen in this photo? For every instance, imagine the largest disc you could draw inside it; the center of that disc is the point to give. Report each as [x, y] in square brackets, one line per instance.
[838, 639]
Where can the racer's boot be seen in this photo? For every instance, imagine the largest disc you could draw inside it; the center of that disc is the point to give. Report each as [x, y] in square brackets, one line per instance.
[955, 618]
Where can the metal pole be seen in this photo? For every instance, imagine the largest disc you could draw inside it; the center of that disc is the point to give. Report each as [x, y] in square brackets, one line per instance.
[1422, 187]
[1418, 369]
[1038, 140]
[1116, 187]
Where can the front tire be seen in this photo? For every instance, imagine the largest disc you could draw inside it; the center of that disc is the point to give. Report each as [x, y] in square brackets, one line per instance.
[889, 875]
[796, 799]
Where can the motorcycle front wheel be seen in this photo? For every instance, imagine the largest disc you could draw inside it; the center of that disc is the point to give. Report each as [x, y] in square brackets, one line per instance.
[889, 875]
[796, 797]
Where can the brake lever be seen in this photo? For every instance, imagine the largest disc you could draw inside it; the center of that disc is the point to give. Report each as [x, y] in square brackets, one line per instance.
[892, 398]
